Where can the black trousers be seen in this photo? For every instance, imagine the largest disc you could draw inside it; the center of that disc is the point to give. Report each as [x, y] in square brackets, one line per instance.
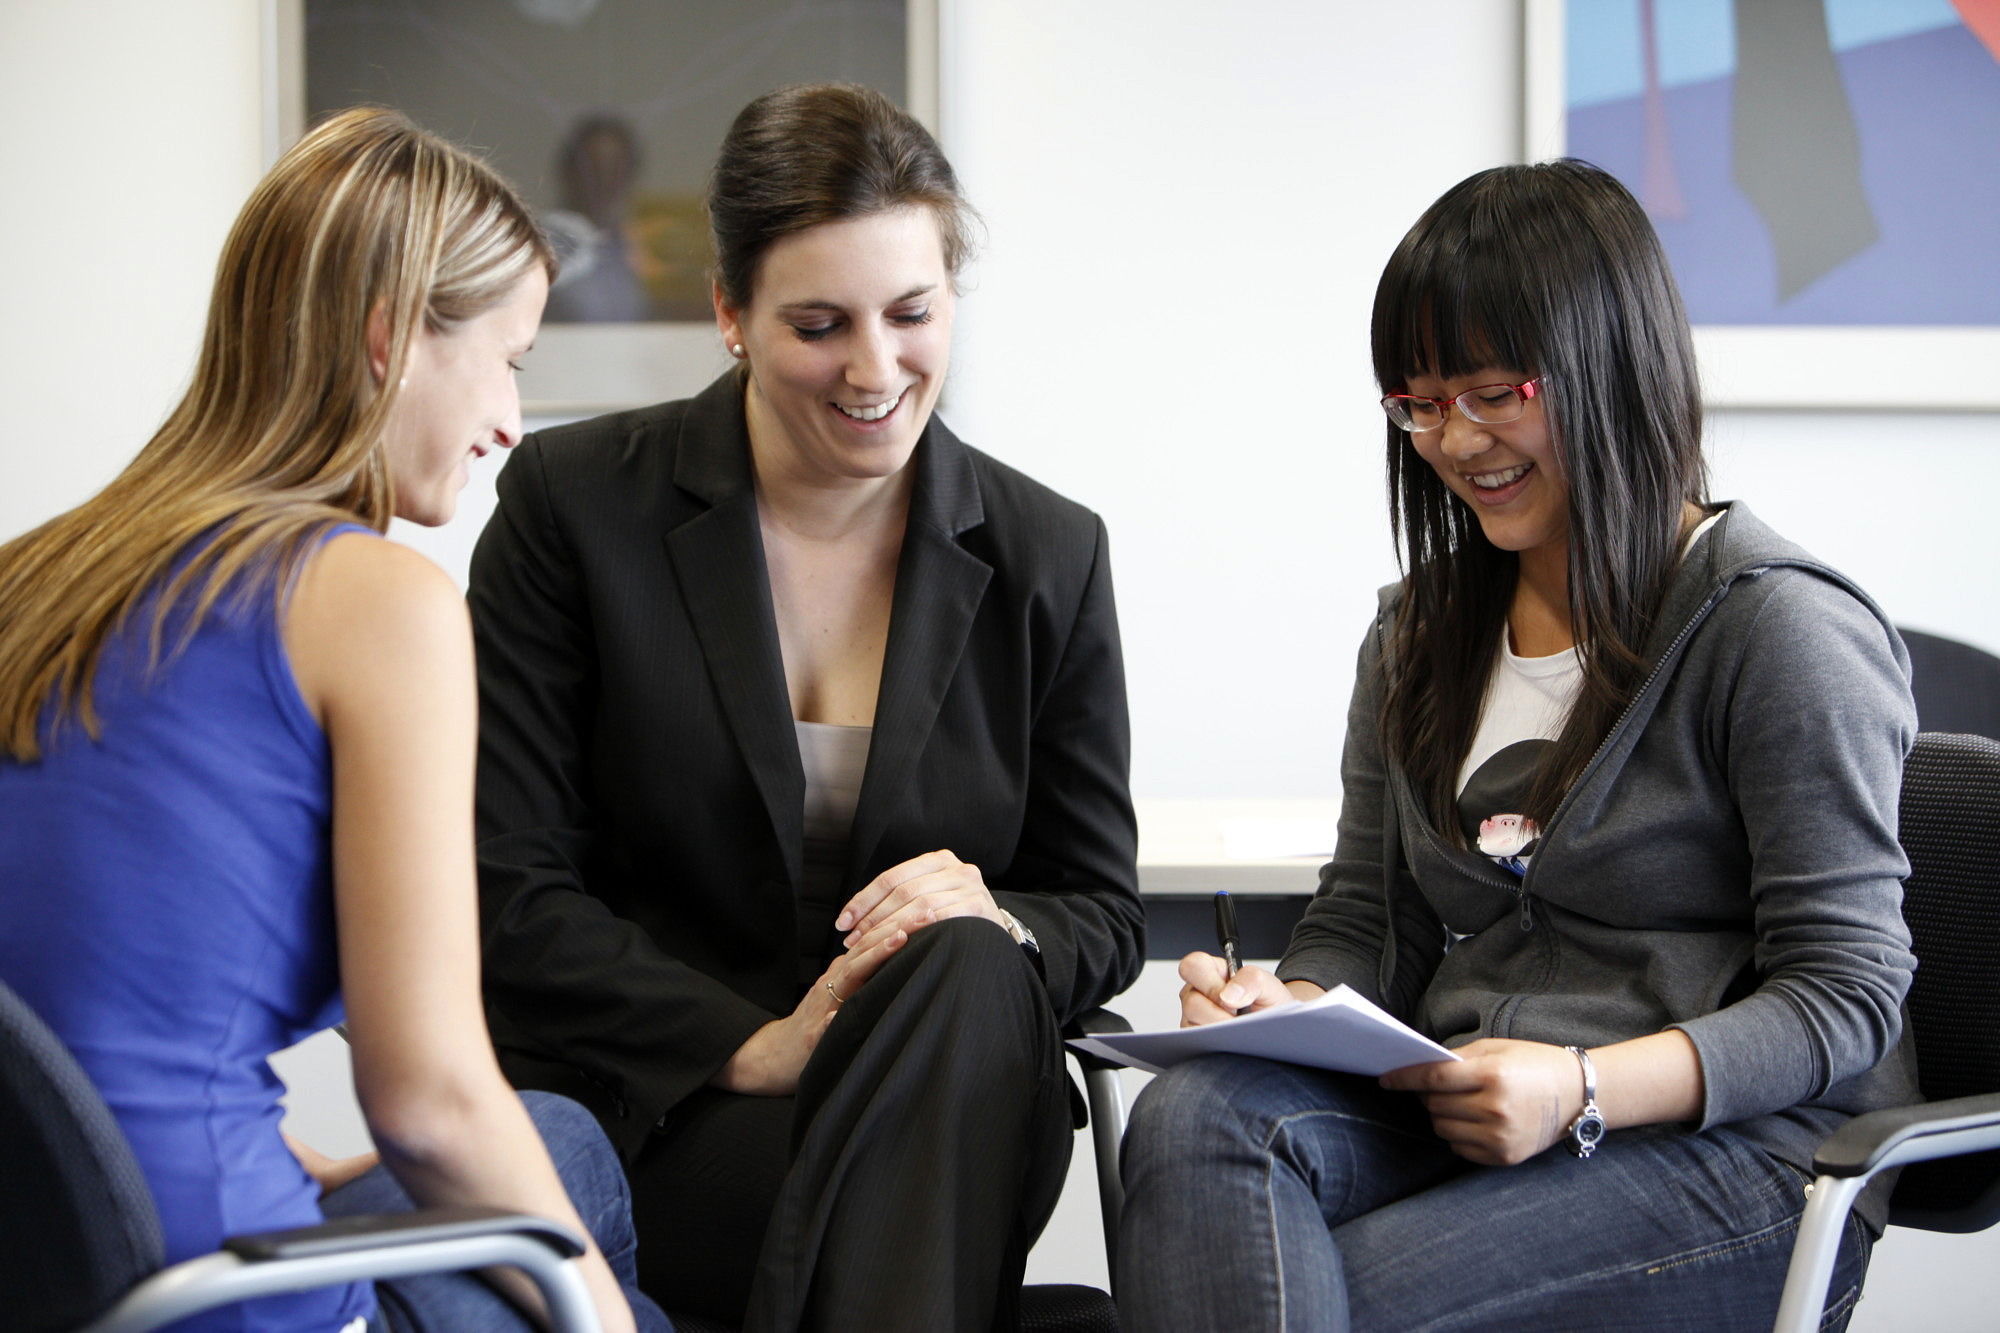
[902, 1187]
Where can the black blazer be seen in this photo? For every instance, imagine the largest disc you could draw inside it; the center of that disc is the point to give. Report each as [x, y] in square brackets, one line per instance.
[641, 799]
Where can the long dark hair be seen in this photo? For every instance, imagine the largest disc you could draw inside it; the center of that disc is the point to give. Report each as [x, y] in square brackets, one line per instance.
[1551, 270]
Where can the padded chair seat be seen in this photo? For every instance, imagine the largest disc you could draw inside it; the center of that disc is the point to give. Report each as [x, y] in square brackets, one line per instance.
[1054, 1308]
[1050, 1308]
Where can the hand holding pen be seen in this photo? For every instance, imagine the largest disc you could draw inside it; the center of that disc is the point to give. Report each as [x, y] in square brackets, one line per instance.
[1227, 937]
[1221, 987]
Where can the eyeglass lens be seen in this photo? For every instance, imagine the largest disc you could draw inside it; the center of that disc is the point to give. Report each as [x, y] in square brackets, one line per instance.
[1489, 405]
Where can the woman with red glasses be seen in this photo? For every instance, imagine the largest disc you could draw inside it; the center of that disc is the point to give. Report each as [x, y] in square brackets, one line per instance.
[1618, 826]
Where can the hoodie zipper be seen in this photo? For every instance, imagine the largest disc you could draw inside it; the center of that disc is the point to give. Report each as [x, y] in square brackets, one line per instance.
[1526, 917]
[1666, 660]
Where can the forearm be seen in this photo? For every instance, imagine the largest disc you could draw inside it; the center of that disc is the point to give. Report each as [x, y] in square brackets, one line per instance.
[1645, 1081]
[1504, 1100]
[476, 1145]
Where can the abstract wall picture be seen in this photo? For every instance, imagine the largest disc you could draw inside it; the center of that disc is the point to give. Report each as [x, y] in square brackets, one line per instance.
[1806, 162]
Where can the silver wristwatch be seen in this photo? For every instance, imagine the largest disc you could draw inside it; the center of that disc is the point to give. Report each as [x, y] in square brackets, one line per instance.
[1022, 935]
[1587, 1130]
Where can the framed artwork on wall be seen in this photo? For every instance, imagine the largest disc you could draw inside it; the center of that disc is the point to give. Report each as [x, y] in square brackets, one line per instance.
[1823, 173]
[606, 114]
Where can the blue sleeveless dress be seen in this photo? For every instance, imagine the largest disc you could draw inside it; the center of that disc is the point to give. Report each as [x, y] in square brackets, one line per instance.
[166, 905]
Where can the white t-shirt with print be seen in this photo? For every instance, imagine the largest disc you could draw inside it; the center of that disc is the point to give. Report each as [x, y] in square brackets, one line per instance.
[1527, 701]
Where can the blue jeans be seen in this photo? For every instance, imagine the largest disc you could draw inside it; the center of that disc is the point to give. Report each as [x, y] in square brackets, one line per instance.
[1268, 1196]
[463, 1302]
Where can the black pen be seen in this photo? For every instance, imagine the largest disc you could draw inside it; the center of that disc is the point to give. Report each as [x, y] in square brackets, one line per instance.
[1226, 934]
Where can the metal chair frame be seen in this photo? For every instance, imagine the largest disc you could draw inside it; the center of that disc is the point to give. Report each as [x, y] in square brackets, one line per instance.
[1956, 857]
[70, 1137]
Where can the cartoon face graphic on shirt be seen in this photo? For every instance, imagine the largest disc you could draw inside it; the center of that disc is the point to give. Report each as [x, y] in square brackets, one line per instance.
[1507, 835]
[1493, 795]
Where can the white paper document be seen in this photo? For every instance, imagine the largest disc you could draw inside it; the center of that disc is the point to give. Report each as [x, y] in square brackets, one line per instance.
[1338, 1030]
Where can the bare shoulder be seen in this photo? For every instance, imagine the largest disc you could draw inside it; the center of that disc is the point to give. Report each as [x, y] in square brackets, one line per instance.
[367, 612]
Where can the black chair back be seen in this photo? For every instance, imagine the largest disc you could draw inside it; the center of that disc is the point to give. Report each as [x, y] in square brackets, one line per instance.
[1956, 685]
[1951, 831]
[77, 1224]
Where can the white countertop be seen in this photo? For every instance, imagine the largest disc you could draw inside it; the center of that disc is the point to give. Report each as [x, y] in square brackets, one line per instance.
[1260, 846]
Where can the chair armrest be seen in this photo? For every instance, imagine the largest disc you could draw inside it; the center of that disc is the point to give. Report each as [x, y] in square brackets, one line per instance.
[1881, 1139]
[1845, 1161]
[1094, 1023]
[359, 1249]
[380, 1231]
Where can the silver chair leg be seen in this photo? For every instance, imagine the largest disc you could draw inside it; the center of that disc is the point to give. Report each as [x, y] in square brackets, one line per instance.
[1814, 1252]
[1107, 1131]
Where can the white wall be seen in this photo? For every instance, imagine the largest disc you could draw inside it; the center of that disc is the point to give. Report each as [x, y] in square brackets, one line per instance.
[132, 136]
[1894, 499]
[1188, 205]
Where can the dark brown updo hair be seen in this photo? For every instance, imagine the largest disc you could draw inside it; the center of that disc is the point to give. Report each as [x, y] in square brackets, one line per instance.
[823, 152]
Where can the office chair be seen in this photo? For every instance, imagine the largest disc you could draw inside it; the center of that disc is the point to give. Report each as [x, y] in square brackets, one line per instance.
[1951, 831]
[1956, 685]
[80, 1243]
[1056, 1307]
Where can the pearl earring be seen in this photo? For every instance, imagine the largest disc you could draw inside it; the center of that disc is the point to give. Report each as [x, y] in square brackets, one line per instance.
[736, 349]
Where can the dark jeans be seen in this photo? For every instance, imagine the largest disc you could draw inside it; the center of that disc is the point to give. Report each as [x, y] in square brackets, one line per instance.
[901, 1189]
[462, 1302]
[1268, 1196]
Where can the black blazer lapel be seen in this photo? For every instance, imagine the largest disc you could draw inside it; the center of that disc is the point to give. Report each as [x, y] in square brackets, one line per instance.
[718, 559]
[939, 586]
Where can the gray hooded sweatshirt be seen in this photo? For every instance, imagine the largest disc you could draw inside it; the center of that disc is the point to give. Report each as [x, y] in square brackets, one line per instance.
[1726, 864]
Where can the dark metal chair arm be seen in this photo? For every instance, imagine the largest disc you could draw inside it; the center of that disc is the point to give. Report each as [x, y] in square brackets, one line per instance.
[1847, 1160]
[1869, 1143]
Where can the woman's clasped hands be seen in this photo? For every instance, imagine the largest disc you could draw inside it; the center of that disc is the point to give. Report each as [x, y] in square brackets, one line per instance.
[936, 886]
[879, 920]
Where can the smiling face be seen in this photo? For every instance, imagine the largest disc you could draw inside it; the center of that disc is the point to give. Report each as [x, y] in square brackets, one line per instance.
[458, 401]
[848, 337]
[1508, 473]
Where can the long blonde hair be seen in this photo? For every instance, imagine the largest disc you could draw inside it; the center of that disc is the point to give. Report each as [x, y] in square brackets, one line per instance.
[280, 433]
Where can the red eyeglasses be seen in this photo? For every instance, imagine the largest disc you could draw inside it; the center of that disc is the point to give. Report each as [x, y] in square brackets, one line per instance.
[1488, 404]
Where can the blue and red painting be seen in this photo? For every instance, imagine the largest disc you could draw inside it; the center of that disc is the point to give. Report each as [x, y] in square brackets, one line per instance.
[1805, 161]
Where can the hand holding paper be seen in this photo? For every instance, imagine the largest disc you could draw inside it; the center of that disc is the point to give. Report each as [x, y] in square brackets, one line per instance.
[1338, 1030]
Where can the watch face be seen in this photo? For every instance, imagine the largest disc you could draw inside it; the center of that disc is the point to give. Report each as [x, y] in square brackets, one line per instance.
[1586, 1134]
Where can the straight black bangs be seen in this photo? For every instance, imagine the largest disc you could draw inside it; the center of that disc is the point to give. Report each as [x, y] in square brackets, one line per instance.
[1456, 295]
[1549, 270]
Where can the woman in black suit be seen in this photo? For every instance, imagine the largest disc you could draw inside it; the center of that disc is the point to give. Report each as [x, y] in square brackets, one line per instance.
[802, 791]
